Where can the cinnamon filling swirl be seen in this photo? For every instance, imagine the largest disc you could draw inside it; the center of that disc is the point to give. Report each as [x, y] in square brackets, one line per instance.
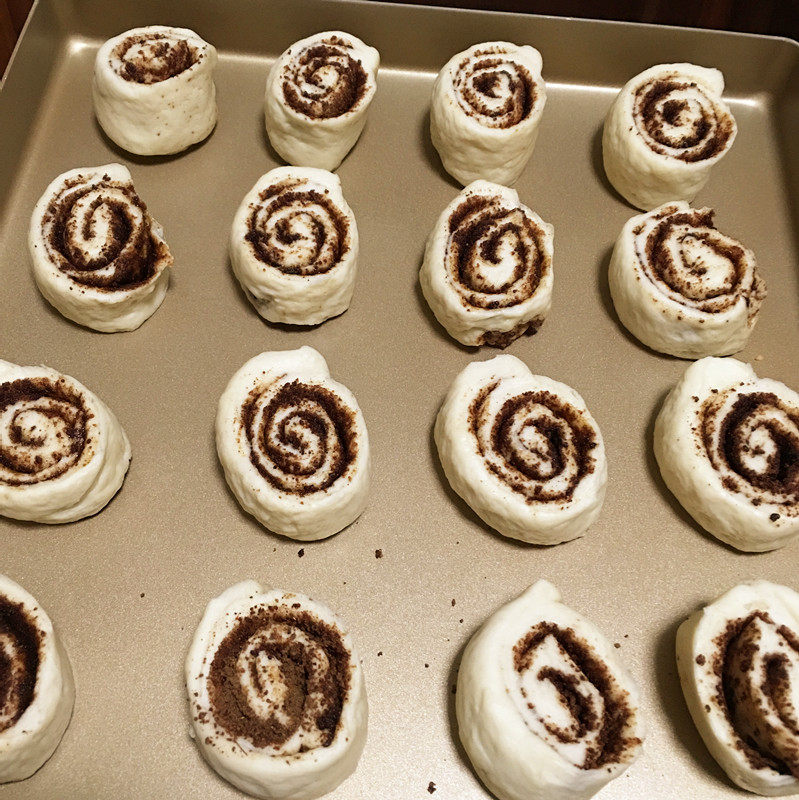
[495, 255]
[324, 81]
[493, 89]
[757, 669]
[280, 679]
[99, 235]
[152, 58]
[20, 641]
[678, 119]
[302, 437]
[298, 229]
[570, 698]
[536, 444]
[43, 430]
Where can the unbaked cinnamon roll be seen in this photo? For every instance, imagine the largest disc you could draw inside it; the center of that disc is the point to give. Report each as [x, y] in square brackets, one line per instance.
[36, 687]
[545, 708]
[523, 451]
[681, 286]
[276, 693]
[738, 660]
[153, 89]
[63, 454]
[665, 130]
[294, 246]
[485, 112]
[98, 256]
[487, 270]
[293, 445]
[727, 443]
[317, 95]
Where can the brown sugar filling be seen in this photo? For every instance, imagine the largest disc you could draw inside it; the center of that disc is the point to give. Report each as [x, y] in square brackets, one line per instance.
[18, 671]
[164, 57]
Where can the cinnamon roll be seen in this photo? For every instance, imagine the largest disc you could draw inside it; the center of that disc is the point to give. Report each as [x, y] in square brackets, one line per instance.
[317, 95]
[36, 687]
[523, 451]
[487, 270]
[485, 112]
[738, 661]
[98, 256]
[276, 693]
[153, 89]
[665, 130]
[727, 443]
[63, 454]
[545, 707]
[293, 445]
[681, 286]
[294, 246]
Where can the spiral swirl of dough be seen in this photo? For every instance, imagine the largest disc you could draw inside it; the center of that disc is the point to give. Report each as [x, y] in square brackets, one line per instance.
[152, 57]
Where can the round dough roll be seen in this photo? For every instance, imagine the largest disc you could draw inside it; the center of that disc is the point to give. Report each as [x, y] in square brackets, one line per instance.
[545, 708]
[276, 693]
[487, 270]
[727, 443]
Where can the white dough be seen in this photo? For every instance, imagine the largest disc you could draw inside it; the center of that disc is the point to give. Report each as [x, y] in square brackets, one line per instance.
[497, 434]
[725, 651]
[727, 443]
[274, 457]
[81, 265]
[508, 711]
[153, 89]
[304, 765]
[294, 246]
[664, 132]
[65, 455]
[29, 736]
[487, 270]
[485, 112]
[317, 95]
[682, 287]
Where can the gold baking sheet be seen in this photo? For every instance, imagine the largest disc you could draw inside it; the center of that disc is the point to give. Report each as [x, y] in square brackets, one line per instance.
[127, 587]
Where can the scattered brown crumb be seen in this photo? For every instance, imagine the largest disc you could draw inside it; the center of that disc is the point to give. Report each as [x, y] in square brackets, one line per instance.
[453, 602]
[380, 652]
[378, 554]
[616, 645]
[700, 659]
[461, 620]
[301, 552]
[427, 666]
[431, 787]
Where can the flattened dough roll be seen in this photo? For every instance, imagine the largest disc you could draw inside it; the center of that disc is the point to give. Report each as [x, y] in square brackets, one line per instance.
[98, 256]
[294, 246]
[545, 708]
[317, 95]
[487, 270]
[664, 132]
[523, 451]
[738, 660]
[293, 445]
[727, 443]
[681, 286]
[63, 454]
[485, 112]
[276, 693]
[36, 687]
[153, 89]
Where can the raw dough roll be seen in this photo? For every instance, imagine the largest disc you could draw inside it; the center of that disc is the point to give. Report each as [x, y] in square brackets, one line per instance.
[36, 688]
[523, 451]
[98, 256]
[738, 660]
[293, 445]
[317, 95]
[545, 708]
[294, 246]
[727, 443]
[487, 270]
[154, 90]
[681, 286]
[276, 693]
[486, 109]
[665, 130]
[63, 454]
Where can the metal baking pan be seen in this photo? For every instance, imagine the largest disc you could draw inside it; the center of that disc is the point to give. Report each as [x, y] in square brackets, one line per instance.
[128, 586]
